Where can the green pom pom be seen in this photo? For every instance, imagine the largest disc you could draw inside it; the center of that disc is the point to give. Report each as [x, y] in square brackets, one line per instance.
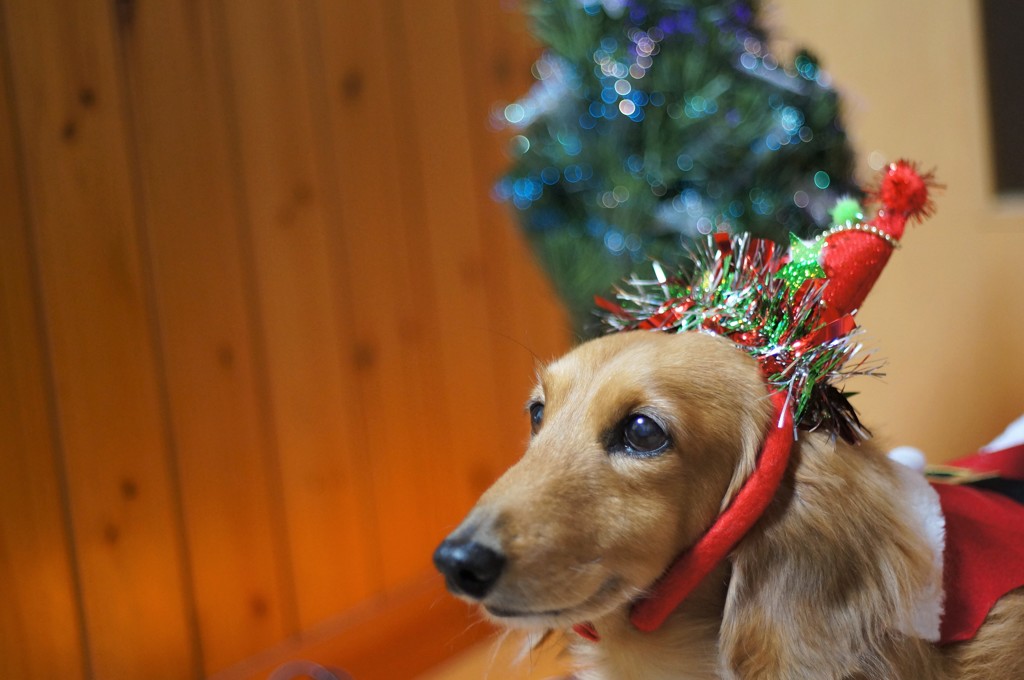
[847, 210]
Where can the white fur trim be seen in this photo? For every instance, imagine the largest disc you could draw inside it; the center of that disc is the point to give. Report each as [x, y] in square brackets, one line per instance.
[925, 515]
[908, 456]
[1011, 436]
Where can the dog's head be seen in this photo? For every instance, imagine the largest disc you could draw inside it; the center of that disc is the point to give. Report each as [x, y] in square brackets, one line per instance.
[639, 440]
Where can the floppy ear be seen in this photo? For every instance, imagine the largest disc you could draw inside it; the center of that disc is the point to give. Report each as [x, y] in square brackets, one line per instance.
[754, 416]
[827, 583]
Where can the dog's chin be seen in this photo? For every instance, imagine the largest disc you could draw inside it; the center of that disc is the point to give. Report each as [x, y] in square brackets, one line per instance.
[532, 616]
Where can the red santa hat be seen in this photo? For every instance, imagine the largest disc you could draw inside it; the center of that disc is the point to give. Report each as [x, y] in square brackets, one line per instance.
[856, 252]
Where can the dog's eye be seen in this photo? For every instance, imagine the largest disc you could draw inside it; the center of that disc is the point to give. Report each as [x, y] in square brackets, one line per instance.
[642, 435]
[536, 416]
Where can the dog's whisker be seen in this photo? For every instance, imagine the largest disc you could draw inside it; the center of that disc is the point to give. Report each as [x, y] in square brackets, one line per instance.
[514, 341]
[499, 642]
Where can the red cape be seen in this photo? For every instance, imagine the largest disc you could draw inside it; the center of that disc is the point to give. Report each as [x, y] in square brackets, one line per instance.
[984, 555]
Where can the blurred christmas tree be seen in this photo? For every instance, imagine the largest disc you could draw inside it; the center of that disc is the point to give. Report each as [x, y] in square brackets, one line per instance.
[654, 122]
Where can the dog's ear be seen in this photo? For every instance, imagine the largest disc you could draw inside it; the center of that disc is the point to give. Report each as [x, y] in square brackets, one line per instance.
[753, 417]
[829, 579]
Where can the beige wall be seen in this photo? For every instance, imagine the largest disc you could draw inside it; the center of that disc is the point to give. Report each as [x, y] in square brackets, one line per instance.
[948, 314]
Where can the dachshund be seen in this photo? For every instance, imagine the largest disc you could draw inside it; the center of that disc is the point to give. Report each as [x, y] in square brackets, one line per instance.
[640, 442]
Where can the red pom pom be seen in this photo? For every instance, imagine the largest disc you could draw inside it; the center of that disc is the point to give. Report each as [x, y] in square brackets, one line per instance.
[904, 190]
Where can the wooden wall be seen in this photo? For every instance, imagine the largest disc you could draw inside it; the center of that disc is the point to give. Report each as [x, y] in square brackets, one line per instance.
[263, 334]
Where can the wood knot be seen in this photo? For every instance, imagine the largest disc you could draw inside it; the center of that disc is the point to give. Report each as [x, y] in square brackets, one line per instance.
[259, 606]
[301, 196]
[501, 68]
[352, 86]
[470, 271]
[364, 355]
[226, 356]
[125, 12]
[302, 193]
[111, 534]
[129, 489]
[87, 97]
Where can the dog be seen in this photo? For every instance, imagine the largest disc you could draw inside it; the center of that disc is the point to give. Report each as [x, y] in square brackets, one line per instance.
[640, 441]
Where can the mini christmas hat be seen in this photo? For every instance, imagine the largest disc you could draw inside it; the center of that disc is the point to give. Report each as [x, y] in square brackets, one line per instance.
[855, 253]
[792, 309]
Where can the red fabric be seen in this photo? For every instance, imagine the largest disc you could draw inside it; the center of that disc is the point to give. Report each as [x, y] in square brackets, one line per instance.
[853, 261]
[984, 557]
[1009, 463]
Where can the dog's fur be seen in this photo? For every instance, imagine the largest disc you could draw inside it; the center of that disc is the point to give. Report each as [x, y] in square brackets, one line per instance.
[823, 586]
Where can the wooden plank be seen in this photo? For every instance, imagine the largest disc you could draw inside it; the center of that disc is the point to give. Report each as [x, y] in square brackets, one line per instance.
[383, 639]
[39, 620]
[395, 339]
[237, 548]
[121, 494]
[498, 53]
[549, 331]
[436, 179]
[303, 305]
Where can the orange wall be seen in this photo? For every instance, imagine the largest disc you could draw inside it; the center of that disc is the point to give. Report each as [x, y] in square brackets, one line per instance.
[264, 337]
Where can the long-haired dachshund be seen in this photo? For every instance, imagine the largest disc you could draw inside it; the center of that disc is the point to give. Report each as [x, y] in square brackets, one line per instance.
[641, 440]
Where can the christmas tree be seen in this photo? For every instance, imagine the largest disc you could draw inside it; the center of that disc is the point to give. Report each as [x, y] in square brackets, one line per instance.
[656, 122]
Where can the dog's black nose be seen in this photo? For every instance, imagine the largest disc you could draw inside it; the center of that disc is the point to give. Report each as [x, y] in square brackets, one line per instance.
[469, 568]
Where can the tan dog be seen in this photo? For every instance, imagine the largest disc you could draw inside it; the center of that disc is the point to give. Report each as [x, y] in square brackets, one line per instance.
[641, 439]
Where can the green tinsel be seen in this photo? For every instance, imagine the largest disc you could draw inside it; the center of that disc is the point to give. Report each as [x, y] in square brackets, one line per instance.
[736, 289]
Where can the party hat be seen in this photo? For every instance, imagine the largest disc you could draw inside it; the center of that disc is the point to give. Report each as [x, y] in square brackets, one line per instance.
[856, 252]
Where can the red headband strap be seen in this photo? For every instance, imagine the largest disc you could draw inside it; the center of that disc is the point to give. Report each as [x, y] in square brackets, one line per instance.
[692, 566]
